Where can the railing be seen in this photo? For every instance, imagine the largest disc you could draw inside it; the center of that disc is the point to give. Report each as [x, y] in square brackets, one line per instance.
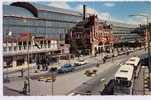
[33, 49]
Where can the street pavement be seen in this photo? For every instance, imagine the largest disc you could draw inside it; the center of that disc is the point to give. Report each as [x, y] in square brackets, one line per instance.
[65, 83]
[146, 81]
[139, 84]
[96, 84]
[10, 92]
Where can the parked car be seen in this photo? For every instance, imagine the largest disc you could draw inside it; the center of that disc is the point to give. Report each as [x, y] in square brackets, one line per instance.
[66, 68]
[80, 62]
[74, 94]
[107, 56]
[130, 50]
[109, 88]
[53, 69]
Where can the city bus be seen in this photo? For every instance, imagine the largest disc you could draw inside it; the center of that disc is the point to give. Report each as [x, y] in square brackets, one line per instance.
[124, 80]
[136, 63]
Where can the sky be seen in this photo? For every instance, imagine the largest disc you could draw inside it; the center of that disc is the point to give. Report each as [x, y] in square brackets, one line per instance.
[113, 11]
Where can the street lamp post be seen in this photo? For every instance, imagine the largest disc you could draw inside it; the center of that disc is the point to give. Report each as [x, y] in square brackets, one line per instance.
[111, 34]
[52, 83]
[112, 44]
[28, 68]
[53, 77]
[147, 42]
[28, 77]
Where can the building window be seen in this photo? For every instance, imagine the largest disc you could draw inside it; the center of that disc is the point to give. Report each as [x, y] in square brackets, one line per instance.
[9, 61]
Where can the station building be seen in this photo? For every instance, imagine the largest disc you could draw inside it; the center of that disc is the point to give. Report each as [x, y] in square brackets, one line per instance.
[127, 32]
[88, 36]
[47, 26]
[93, 35]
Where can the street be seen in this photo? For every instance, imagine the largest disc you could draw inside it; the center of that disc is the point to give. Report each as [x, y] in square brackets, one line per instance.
[139, 84]
[66, 83]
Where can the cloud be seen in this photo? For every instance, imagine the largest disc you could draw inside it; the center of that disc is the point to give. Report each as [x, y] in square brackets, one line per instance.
[139, 19]
[109, 4]
[101, 15]
[61, 4]
[7, 3]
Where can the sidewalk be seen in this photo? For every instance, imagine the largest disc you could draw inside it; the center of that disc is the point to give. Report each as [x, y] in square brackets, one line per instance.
[13, 72]
[16, 73]
[44, 87]
[61, 62]
[146, 81]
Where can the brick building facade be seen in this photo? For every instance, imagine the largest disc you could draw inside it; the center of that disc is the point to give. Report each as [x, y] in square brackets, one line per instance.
[90, 36]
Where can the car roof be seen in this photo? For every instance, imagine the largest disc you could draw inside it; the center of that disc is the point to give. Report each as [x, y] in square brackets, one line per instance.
[67, 65]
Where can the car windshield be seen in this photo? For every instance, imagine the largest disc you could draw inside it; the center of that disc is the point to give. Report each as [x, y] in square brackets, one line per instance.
[81, 60]
[132, 59]
[67, 65]
[123, 71]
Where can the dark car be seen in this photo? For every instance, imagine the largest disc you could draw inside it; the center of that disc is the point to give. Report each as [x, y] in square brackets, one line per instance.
[107, 56]
[109, 88]
[66, 68]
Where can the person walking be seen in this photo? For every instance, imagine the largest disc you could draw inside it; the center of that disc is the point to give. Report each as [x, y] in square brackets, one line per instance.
[38, 67]
[46, 67]
[25, 88]
[104, 60]
[22, 72]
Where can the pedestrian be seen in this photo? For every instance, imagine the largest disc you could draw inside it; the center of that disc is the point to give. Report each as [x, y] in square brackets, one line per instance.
[38, 67]
[22, 72]
[104, 60]
[46, 67]
[127, 53]
[43, 67]
[95, 54]
[25, 88]
[34, 65]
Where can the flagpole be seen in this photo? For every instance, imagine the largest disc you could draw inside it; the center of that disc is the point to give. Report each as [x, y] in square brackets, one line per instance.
[28, 67]
[28, 39]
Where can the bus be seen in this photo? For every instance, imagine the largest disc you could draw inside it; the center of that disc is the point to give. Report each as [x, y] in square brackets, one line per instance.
[136, 63]
[124, 80]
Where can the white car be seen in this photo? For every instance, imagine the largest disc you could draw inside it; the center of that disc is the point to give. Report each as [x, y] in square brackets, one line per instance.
[74, 94]
[80, 62]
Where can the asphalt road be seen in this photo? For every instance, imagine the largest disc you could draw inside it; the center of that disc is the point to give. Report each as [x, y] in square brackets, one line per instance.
[96, 85]
[65, 83]
[13, 76]
[10, 92]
